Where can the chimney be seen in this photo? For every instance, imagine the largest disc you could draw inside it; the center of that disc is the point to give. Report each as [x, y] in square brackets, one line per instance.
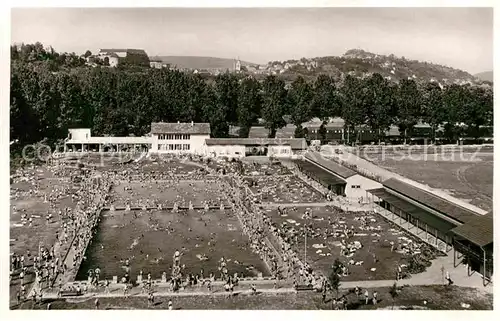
[192, 123]
[178, 122]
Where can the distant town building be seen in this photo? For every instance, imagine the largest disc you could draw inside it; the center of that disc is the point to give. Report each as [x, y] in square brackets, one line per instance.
[136, 57]
[156, 64]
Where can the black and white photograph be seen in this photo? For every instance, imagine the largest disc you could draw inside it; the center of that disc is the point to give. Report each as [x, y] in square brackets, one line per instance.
[250, 158]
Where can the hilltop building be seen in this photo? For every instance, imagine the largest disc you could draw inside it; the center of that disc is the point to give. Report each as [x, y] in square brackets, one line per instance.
[136, 57]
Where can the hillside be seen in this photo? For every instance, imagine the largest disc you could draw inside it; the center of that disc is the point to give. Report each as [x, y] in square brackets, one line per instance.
[485, 76]
[361, 63]
[195, 62]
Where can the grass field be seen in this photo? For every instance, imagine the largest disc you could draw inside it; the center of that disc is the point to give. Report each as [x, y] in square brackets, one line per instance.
[467, 178]
[436, 297]
[149, 239]
[322, 252]
[284, 189]
[182, 192]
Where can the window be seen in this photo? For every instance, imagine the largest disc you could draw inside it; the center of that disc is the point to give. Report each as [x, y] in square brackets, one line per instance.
[170, 147]
[87, 136]
[355, 186]
[185, 147]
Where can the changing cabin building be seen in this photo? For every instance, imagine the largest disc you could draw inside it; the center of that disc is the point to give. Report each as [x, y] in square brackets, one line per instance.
[241, 147]
[336, 177]
[438, 220]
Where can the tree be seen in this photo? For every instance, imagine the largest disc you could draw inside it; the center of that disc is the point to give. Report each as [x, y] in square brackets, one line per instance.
[394, 293]
[352, 104]
[409, 102]
[249, 105]
[226, 90]
[433, 111]
[87, 54]
[334, 278]
[476, 109]
[299, 101]
[273, 104]
[453, 99]
[378, 100]
[325, 101]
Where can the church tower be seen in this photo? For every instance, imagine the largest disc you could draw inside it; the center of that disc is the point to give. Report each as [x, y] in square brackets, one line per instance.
[237, 66]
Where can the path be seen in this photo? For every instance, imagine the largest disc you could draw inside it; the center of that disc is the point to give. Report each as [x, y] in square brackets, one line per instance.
[136, 292]
[287, 205]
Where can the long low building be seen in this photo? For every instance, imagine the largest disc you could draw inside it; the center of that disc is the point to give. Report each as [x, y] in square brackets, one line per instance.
[467, 232]
[354, 186]
[240, 147]
[183, 138]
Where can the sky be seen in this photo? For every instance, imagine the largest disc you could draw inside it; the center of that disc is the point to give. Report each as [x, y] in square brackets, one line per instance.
[457, 37]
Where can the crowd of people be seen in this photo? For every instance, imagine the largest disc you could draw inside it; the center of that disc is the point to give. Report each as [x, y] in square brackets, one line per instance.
[53, 262]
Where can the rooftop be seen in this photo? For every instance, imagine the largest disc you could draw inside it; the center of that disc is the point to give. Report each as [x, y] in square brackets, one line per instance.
[295, 143]
[129, 51]
[478, 230]
[330, 165]
[435, 202]
[181, 128]
[318, 172]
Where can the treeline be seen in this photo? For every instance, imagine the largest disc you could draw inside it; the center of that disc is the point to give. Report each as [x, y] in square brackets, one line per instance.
[46, 100]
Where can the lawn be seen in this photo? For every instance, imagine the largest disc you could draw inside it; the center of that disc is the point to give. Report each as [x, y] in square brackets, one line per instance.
[150, 238]
[468, 180]
[284, 189]
[198, 192]
[375, 243]
[436, 297]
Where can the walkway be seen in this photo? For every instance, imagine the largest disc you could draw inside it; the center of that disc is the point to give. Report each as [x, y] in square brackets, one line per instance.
[137, 292]
[287, 205]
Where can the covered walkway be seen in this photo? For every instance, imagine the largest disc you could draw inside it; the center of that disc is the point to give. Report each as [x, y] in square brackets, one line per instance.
[323, 177]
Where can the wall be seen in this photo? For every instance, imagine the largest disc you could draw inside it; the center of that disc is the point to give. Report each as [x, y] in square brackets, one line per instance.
[154, 143]
[226, 150]
[279, 151]
[113, 61]
[80, 134]
[197, 143]
[363, 183]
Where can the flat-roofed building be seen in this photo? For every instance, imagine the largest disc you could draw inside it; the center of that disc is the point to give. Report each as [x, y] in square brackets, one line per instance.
[241, 147]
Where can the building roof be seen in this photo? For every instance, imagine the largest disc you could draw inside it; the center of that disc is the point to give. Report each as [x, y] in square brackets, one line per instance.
[129, 51]
[478, 230]
[330, 165]
[180, 128]
[319, 173]
[437, 222]
[435, 202]
[295, 143]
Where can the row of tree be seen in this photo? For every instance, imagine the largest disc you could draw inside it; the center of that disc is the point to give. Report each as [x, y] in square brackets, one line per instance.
[44, 103]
